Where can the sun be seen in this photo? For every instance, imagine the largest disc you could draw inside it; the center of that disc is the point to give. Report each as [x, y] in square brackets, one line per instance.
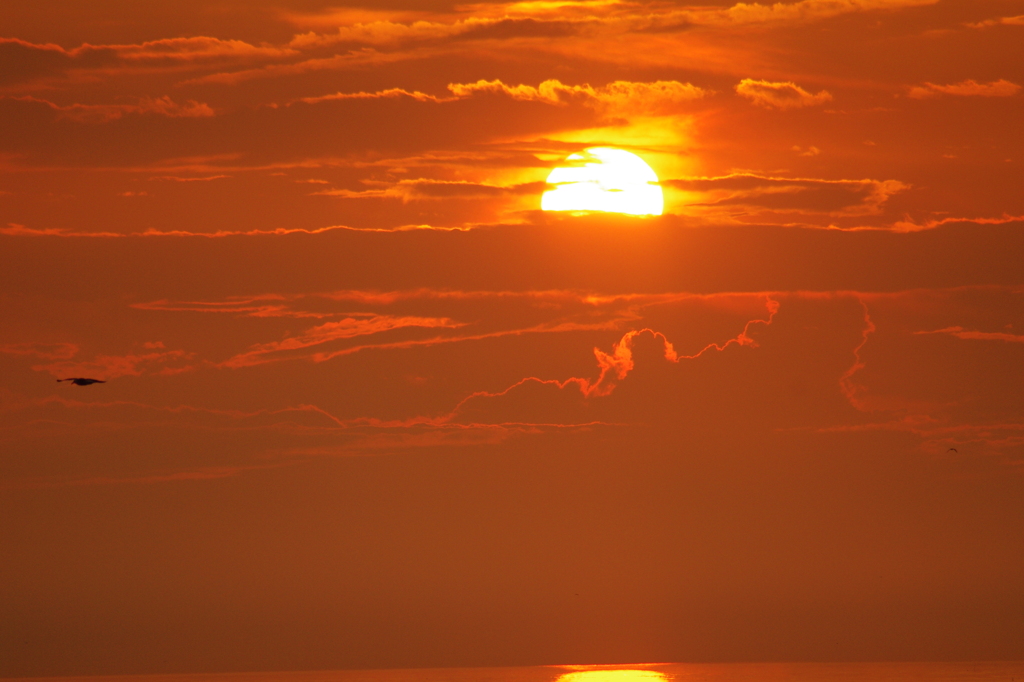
[604, 179]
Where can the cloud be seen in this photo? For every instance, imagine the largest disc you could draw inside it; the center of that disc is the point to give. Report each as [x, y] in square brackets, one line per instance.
[380, 94]
[908, 225]
[805, 10]
[1004, 21]
[114, 366]
[495, 314]
[199, 178]
[191, 49]
[568, 401]
[506, 29]
[967, 88]
[257, 306]
[352, 59]
[937, 437]
[101, 367]
[616, 97]
[422, 189]
[101, 113]
[348, 328]
[377, 33]
[376, 36]
[967, 334]
[615, 366]
[785, 95]
[17, 230]
[285, 436]
[46, 351]
[388, 32]
[25, 61]
[391, 32]
[781, 195]
[849, 388]
[628, 381]
[646, 17]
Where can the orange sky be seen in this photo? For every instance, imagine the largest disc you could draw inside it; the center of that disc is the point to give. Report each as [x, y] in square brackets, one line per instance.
[368, 406]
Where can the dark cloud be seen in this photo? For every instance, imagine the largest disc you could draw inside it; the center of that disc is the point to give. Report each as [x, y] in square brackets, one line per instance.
[506, 29]
[24, 61]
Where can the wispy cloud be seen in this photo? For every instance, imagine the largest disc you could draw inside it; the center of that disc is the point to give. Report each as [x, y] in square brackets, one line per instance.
[347, 328]
[46, 351]
[1017, 20]
[101, 113]
[967, 88]
[164, 362]
[786, 95]
[615, 97]
[784, 196]
[973, 335]
[27, 61]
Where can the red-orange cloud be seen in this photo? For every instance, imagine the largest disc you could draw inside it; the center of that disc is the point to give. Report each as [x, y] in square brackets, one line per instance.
[785, 95]
[967, 88]
[969, 334]
[101, 113]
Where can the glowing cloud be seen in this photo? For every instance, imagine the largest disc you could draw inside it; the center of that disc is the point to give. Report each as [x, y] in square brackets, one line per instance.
[615, 97]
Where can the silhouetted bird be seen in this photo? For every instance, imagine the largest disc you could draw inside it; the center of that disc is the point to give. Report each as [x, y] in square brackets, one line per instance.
[82, 381]
[953, 450]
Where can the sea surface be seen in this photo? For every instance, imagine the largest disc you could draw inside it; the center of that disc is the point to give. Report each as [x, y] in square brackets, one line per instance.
[648, 672]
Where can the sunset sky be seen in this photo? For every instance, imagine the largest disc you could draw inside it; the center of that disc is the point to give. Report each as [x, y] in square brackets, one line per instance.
[367, 405]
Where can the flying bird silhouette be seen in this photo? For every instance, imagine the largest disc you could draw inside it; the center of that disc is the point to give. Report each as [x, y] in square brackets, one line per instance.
[953, 450]
[82, 381]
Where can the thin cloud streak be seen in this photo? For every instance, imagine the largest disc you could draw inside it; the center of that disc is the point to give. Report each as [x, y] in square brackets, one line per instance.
[974, 335]
[967, 88]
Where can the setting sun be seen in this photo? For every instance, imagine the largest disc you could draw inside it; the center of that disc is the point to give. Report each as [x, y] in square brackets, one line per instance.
[607, 180]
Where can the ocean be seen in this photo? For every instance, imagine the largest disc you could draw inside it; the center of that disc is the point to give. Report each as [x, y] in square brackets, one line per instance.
[647, 672]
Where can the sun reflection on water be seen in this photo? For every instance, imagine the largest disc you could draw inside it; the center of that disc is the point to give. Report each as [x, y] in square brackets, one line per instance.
[613, 676]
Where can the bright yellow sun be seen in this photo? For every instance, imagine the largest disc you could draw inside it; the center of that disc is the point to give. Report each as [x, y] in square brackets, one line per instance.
[604, 179]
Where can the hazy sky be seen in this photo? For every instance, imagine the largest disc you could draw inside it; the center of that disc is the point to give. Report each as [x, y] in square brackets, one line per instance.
[366, 405]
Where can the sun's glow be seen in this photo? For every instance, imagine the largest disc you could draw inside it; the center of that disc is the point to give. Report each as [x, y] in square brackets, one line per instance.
[604, 179]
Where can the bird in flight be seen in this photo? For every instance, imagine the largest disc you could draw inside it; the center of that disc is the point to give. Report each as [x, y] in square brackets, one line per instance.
[953, 450]
[82, 381]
